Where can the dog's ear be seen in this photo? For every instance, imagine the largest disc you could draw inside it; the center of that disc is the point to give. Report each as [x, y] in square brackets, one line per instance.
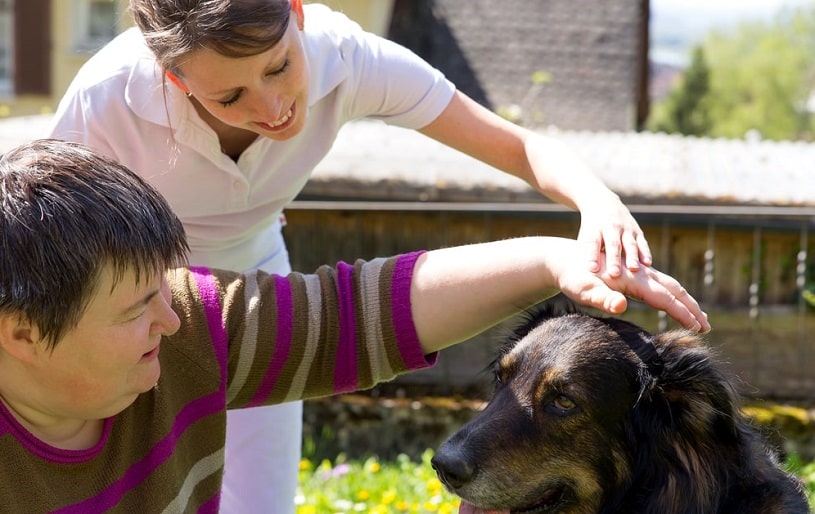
[693, 395]
[691, 409]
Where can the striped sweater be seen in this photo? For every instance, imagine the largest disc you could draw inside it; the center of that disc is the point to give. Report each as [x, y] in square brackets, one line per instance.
[245, 340]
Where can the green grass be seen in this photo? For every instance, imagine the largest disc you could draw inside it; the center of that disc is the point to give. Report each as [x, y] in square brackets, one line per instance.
[405, 486]
[807, 473]
[372, 487]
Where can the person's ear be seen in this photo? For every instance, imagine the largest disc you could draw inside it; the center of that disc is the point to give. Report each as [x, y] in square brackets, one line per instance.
[172, 77]
[18, 337]
[297, 9]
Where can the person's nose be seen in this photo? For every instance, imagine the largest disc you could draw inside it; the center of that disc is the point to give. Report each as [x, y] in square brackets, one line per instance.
[271, 106]
[167, 321]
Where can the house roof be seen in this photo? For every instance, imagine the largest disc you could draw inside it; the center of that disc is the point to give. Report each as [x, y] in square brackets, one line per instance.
[374, 161]
[378, 161]
[576, 64]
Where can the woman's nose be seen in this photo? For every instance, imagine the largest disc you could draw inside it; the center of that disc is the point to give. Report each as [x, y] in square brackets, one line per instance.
[271, 107]
[167, 321]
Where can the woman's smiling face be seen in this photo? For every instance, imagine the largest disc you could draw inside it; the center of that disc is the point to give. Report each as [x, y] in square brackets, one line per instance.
[265, 93]
[100, 366]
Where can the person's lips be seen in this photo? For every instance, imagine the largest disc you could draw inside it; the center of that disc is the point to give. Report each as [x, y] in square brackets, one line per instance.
[152, 354]
[279, 124]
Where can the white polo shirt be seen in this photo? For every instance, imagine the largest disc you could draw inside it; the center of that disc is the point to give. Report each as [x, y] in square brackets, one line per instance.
[119, 104]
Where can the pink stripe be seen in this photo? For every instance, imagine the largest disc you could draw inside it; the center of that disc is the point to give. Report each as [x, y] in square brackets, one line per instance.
[406, 337]
[138, 472]
[9, 425]
[211, 301]
[345, 363]
[190, 413]
[283, 342]
[211, 506]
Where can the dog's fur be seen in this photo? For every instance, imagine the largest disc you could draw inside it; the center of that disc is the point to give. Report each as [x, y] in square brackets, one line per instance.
[596, 415]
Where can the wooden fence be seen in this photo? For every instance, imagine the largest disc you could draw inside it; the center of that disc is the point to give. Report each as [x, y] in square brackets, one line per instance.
[748, 266]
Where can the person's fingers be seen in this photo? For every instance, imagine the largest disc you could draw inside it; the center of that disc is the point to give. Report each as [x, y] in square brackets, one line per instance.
[591, 244]
[682, 305]
[613, 250]
[594, 292]
[611, 301]
[646, 257]
[665, 293]
[631, 250]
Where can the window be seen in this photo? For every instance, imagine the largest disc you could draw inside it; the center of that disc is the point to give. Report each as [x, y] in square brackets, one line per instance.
[6, 46]
[95, 23]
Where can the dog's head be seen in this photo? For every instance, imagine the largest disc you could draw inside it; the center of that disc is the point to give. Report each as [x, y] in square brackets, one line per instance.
[575, 401]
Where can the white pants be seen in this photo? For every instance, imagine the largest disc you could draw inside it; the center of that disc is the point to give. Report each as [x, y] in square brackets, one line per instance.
[262, 459]
[262, 454]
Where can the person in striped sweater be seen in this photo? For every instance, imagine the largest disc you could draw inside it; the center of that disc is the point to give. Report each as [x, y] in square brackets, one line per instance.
[118, 364]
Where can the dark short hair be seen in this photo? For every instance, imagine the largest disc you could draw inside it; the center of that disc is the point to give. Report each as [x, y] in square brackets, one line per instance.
[66, 213]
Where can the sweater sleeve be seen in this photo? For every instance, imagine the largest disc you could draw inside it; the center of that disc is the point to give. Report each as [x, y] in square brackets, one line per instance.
[282, 338]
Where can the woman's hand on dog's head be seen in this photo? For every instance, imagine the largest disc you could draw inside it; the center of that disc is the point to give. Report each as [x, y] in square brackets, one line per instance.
[608, 293]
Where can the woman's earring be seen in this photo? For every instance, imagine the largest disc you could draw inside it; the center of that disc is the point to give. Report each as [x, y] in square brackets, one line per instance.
[172, 77]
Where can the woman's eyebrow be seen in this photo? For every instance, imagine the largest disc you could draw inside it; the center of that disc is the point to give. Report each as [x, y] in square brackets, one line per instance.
[139, 304]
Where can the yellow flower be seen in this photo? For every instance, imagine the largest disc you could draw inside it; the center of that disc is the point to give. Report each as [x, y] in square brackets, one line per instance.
[389, 497]
[307, 509]
[305, 465]
[446, 508]
[363, 495]
[434, 486]
[430, 506]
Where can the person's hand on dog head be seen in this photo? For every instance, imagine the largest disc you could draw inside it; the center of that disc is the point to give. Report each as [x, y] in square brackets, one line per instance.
[608, 293]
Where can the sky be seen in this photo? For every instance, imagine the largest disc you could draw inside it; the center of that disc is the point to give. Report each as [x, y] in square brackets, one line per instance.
[677, 25]
[736, 6]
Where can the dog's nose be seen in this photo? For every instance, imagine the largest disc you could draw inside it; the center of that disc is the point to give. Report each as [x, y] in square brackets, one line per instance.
[453, 470]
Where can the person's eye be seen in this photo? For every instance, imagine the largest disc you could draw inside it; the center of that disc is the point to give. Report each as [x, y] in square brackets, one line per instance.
[231, 100]
[281, 69]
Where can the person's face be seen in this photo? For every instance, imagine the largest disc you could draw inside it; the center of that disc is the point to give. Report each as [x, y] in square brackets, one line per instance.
[266, 93]
[99, 368]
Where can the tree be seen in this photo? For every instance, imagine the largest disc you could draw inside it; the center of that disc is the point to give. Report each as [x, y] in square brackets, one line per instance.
[685, 110]
[761, 77]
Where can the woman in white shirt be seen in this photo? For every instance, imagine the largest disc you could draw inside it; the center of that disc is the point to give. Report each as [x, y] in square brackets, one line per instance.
[227, 106]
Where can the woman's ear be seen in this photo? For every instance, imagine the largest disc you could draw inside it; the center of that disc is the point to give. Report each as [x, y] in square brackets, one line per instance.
[18, 337]
[297, 8]
[172, 77]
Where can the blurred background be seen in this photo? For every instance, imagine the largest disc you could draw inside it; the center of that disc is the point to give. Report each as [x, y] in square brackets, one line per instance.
[698, 114]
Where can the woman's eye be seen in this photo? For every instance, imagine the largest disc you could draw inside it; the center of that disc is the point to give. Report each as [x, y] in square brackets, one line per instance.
[230, 101]
[281, 69]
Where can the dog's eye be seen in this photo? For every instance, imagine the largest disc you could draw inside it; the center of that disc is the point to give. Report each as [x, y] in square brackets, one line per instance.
[563, 403]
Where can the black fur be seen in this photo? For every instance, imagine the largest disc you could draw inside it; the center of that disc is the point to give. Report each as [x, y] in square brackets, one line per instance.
[596, 415]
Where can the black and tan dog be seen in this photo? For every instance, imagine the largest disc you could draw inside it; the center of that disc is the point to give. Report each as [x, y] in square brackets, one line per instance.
[596, 415]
